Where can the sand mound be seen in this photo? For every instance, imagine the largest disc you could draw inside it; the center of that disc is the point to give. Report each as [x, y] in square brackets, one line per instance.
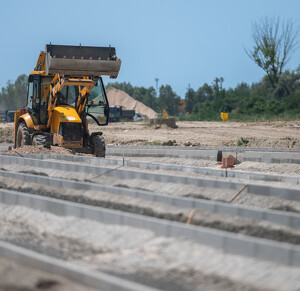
[120, 98]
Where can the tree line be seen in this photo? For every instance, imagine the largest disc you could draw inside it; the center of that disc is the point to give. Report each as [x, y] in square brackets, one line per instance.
[166, 99]
[13, 96]
[244, 102]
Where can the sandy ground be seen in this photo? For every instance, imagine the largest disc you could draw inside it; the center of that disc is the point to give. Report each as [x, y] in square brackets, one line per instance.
[140, 254]
[30, 279]
[264, 134]
[259, 134]
[185, 190]
[122, 202]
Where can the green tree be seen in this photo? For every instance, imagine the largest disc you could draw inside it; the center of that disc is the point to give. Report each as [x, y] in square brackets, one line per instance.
[204, 93]
[189, 100]
[274, 40]
[150, 98]
[168, 100]
[13, 96]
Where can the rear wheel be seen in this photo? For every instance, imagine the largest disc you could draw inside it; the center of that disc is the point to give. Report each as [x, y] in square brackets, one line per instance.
[98, 145]
[23, 136]
[39, 139]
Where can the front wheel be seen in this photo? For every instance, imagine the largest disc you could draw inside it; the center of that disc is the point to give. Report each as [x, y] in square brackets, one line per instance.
[39, 139]
[23, 135]
[98, 145]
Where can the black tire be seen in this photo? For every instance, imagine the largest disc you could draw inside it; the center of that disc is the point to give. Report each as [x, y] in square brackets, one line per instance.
[98, 145]
[23, 136]
[219, 156]
[39, 139]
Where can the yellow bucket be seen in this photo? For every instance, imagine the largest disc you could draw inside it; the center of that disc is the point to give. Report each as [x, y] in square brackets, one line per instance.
[224, 116]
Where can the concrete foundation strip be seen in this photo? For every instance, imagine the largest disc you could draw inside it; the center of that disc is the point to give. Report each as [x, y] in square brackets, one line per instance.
[289, 219]
[198, 148]
[74, 272]
[231, 173]
[263, 249]
[267, 155]
[283, 193]
[271, 157]
[164, 152]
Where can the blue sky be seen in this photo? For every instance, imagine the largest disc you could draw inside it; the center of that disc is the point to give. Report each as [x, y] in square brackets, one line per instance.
[180, 42]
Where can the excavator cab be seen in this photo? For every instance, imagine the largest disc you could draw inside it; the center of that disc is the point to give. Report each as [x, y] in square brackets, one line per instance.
[64, 89]
[97, 105]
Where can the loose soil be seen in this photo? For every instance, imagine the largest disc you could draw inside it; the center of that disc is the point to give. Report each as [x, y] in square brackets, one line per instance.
[264, 134]
[16, 277]
[138, 254]
[276, 134]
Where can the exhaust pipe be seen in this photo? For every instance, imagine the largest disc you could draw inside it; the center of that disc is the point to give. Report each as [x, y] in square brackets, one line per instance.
[82, 60]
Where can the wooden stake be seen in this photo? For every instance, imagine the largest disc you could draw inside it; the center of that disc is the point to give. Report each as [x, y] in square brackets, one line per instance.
[191, 216]
[238, 193]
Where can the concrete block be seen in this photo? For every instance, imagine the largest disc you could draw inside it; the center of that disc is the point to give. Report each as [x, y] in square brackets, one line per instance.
[8, 199]
[110, 218]
[294, 258]
[90, 213]
[72, 210]
[24, 201]
[184, 231]
[295, 221]
[158, 226]
[248, 212]
[40, 204]
[283, 219]
[55, 208]
[273, 251]
[239, 246]
[210, 239]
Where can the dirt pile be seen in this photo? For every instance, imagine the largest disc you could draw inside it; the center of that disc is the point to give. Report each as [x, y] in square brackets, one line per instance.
[243, 134]
[119, 98]
[158, 122]
[41, 150]
[6, 133]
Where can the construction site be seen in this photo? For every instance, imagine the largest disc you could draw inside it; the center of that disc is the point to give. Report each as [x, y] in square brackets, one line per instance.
[158, 212]
[100, 192]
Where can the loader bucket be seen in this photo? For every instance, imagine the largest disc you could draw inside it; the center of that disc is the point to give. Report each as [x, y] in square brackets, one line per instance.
[82, 60]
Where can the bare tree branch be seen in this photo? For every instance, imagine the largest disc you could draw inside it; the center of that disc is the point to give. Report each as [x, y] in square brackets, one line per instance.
[274, 41]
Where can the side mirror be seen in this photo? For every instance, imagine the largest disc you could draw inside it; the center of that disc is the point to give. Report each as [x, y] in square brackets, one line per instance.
[106, 110]
[30, 78]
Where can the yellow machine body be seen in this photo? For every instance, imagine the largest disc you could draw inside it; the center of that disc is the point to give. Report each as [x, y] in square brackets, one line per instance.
[61, 115]
[60, 97]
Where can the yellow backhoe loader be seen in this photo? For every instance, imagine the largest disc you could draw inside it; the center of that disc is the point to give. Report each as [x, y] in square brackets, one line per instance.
[64, 91]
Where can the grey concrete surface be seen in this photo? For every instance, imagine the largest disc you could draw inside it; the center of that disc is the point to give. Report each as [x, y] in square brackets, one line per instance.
[84, 276]
[289, 219]
[5, 147]
[225, 149]
[230, 173]
[265, 190]
[207, 154]
[271, 157]
[281, 253]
